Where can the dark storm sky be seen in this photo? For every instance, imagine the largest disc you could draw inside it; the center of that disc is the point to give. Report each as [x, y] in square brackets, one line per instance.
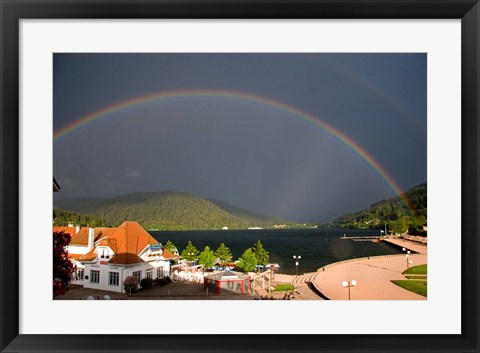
[249, 154]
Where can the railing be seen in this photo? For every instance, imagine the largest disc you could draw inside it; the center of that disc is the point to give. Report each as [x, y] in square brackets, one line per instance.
[186, 277]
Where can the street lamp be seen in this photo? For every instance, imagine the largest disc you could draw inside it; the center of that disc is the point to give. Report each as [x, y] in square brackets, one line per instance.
[409, 262]
[349, 285]
[296, 259]
[191, 254]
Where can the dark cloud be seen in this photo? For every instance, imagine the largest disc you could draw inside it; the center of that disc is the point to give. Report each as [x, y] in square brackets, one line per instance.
[252, 155]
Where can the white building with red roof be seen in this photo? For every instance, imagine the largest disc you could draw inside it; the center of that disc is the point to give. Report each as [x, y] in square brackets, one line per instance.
[104, 257]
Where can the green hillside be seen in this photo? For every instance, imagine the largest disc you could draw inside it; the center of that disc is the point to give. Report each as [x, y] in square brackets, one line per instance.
[251, 218]
[392, 212]
[165, 211]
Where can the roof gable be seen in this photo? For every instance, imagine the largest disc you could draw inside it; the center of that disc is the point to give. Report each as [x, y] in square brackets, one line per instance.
[127, 242]
[81, 238]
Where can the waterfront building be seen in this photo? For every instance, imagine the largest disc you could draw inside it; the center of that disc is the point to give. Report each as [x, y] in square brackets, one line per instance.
[104, 257]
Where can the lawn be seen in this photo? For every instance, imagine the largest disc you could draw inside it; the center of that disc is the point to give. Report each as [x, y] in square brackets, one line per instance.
[416, 270]
[419, 287]
[284, 287]
[417, 277]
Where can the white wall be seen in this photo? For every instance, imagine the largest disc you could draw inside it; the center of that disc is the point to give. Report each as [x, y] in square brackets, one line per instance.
[124, 271]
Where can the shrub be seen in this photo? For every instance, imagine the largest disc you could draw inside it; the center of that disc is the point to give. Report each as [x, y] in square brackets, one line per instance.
[146, 283]
[130, 284]
[158, 282]
[286, 296]
[63, 268]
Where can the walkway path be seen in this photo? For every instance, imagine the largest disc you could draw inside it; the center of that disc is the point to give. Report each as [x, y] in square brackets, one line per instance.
[305, 278]
[373, 276]
[303, 285]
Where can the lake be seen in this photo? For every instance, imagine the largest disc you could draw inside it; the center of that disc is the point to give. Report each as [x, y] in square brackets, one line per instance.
[317, 247]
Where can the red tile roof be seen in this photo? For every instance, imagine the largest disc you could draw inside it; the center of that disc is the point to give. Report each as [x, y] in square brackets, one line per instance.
[88, 256]
[68, 230]
[81, 238]
[125, 258]
[127, 241]
[74, 256]
[167, 255]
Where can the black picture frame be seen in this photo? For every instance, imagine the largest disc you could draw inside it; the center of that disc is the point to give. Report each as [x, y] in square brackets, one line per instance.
[12, 11]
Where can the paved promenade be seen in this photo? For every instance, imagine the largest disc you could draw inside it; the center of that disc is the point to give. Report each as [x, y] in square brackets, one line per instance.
[408, 244]
[373, 278]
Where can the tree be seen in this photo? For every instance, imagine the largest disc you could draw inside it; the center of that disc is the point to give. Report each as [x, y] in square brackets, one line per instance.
[190, 253]
[206, 258]
[171, 247]
[63, 268]
[260, 253]
[223, 253]
[248, 261]
[398, 226]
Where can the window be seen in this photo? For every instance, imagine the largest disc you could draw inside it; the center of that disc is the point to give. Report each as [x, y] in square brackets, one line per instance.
[137, 274]
[80, 274]
[94, 276]
[160, 272]
[113, 278]
[149, 273]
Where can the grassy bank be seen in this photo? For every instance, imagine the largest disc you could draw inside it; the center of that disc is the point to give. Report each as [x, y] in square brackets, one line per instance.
[416, 280]
[419, 287]
[416, 270]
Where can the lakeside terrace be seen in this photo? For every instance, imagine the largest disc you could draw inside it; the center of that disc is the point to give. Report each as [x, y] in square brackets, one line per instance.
[373, 276]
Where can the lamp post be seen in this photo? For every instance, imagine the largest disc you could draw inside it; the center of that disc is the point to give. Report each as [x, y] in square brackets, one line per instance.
[407, 256]
[297, 261]
[349, 284]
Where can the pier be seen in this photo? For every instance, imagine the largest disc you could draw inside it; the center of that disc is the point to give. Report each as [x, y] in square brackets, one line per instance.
[413, 246]
[363, 238]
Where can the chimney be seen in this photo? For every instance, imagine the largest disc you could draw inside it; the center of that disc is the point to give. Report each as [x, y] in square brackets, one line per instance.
[91, 237]
[70, 224]
[77, 229]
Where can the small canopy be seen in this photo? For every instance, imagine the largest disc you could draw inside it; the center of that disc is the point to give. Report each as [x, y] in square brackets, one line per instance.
[227, 275]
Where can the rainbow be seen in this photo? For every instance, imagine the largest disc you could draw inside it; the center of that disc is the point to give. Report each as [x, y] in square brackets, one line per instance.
[329, 129]
[368, 85]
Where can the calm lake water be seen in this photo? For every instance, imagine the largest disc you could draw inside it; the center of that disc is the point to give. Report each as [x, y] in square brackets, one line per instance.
[317, 247]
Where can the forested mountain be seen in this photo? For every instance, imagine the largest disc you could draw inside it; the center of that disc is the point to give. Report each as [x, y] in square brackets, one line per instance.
[62, 218]
[165, 210]
[392, 212]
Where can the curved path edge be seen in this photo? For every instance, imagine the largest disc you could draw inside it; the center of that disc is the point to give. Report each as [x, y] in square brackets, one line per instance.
[373, 275]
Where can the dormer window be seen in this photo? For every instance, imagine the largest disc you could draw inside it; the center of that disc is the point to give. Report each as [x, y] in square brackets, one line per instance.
[104, 254]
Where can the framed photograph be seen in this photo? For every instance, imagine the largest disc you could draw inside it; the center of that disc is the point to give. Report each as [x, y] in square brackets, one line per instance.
[239, 171]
